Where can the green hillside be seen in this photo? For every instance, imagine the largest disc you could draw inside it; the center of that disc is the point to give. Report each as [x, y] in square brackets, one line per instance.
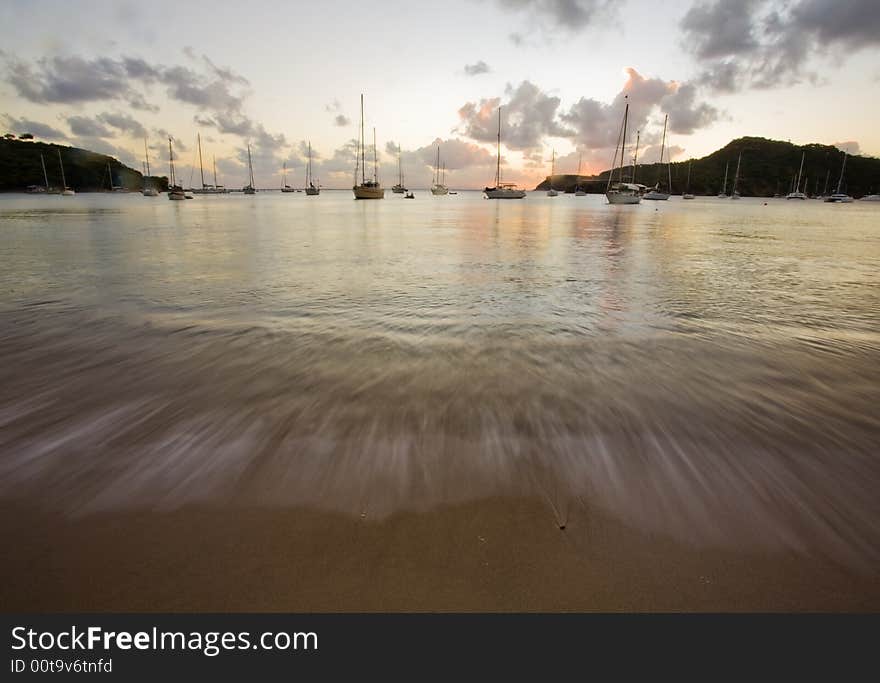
[767, 166]
[85, 171]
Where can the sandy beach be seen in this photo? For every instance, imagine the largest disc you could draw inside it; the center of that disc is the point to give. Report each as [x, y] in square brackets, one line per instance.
[504, 554]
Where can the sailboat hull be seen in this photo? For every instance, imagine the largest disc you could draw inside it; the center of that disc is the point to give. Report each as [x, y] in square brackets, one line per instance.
[439, 190]
[67, 193]
[150, 192]
[656, 196]
[622, 198]
[312, 191]
[552, 193]
[363, 192]
[796, 195]
[398, 189]
[503, 193]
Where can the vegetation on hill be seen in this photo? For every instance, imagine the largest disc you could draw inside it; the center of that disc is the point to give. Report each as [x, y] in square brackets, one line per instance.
[84, 171]
[768, 167]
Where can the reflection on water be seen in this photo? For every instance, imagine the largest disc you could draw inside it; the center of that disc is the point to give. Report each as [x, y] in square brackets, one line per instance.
[708, 370]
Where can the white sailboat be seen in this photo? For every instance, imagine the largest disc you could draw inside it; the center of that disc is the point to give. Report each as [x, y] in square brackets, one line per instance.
[149, 190]
[870, 198]
[399, 188]
[438, 188]
[502, 190]
[175, 191]
[796, 193]
[284, 186]
[687, 193]
[734, 193]
[578, 192]
[205, 188]
[723, 193]
[45, 175]
[65, 191]
[250, 187]
[840, 197]
[622, 192]
[312, 190]
[366, 189]
[551, 192]
[655, 193]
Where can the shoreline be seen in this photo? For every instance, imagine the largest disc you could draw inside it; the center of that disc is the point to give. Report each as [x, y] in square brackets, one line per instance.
[497, 554]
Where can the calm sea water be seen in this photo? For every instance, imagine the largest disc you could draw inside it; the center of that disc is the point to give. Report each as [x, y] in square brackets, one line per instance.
[705, 369]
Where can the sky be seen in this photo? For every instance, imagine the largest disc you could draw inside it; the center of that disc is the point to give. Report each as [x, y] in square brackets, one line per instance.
[106, 75]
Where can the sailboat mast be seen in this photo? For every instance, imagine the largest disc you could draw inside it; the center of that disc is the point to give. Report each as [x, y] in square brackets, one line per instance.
[147, 156]
[842, 168]
[437, 167]
[498, 162]
[363, 160]
[825, 189]
[45, 175]
[375, 159]
[636, 155]
[171, 162]
[687, 191]
[201, 167]
[663, 145]
[552, 168]
[399, 167]
[736, 175]
[614, 160]
[800, 170]
[214, 163]
[623, 141]
[726, 167]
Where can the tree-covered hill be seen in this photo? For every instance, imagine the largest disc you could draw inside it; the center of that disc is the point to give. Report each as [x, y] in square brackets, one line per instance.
[84, 171]
[768, 167]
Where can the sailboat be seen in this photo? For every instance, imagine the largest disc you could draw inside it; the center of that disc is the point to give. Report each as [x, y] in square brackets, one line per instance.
[219, 189]
[367, 189]
[114, 188]
[284, 186]
[149, 190]
[175, 191]
[687, 193]
[437, 186]
[399, 188]
[249, 188]
[578, 192]
[734, 194]
[205, 188]
[65, 191]
[502, 190]
[312, 190]
[551, 192]
[45, 176]
[621, 192]
[723, 193]
[796, 193]
[655, 192]
[839, 197]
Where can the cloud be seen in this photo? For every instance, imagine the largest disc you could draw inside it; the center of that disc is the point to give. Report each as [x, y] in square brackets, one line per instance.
[40, 130]
[83, 126]
[760, 44]
[341, 120]
[74, 80]
[528, 116]
[476, 68]
[566, 15]
[851, 147]
[218, 92]
[125, 123]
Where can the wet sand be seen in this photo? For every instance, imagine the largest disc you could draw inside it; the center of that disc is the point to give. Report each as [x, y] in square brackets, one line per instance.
[502, 554]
